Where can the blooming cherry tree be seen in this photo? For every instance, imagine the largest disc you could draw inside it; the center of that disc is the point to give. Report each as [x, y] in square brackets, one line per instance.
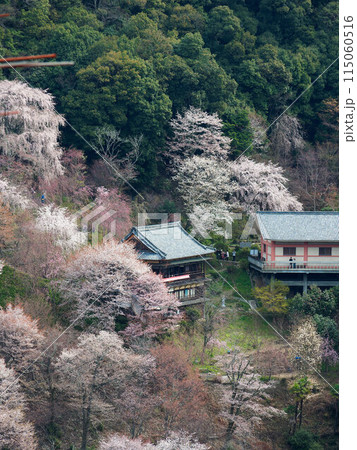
[206, 217]
[118, 207]
[36, 252]
[211, 186]
[244, 406]
[94, 375]
[261, 187]
[198, 152]
[197, 133]
[306, 344]
[15, 431]
[175, 441]
[180, 441]
[328, 353]
[119, 442]
[58, 222]
[109, 280]
[202, 180]
[20, 336]
[32, 134]
[13, 196]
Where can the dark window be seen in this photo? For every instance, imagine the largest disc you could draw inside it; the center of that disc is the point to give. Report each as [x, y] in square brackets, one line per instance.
[196, 267]
[176, 271]
[289, 251]
[185, 293]
[325, 251]
[264, 247]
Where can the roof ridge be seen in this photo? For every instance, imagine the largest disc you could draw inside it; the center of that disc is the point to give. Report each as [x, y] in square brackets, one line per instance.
[158, 225]
[300, 212]
[194, 239]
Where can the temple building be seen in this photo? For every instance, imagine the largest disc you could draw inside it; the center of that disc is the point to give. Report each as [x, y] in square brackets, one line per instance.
[174, 254]
[298, 248]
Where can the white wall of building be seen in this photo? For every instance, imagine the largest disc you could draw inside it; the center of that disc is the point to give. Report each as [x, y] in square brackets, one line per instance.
[312, 252]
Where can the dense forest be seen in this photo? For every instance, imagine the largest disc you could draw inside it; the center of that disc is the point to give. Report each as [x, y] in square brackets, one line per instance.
[203, 111]
[139, 63]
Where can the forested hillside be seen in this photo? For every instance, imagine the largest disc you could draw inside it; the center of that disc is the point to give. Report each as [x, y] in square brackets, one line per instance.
[138, 63]
[208, 109]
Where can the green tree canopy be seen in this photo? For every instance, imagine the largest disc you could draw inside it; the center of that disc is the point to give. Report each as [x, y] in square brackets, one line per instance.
[273, 298]
[122, 92]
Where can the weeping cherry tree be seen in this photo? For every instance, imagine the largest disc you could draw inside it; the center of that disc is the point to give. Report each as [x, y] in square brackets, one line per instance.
[32, 134]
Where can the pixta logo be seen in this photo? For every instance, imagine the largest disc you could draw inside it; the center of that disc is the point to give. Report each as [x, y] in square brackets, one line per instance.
[90, 219]
[202, 224]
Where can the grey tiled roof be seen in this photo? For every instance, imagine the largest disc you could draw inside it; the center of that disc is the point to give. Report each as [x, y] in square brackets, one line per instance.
[299, 226]
[168, 241]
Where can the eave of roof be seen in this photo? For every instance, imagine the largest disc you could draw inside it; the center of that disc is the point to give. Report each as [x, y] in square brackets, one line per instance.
[135, 232]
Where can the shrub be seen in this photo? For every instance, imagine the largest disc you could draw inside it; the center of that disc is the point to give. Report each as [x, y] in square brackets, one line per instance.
[327, 327]
[304, 440]
[13, 284]
[316, 301]
[243, 253]
[273, 298]
[232, 270]
[265, 378]
[244, 264]
[192, 314]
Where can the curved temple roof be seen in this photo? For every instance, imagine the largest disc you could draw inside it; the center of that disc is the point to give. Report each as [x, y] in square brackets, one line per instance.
[299, 226]
[167, 241]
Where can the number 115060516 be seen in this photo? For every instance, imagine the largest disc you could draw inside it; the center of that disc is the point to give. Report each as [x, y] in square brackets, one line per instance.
[348, 49]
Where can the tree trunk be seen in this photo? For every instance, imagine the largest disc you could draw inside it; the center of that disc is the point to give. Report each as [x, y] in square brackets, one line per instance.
[229, 434]
[300, 418]
[295, 417]
[52, 406]
[206, 337]
[86, 410]
[336, 418]
[230, 427]
[52, 391]
[85, 426]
